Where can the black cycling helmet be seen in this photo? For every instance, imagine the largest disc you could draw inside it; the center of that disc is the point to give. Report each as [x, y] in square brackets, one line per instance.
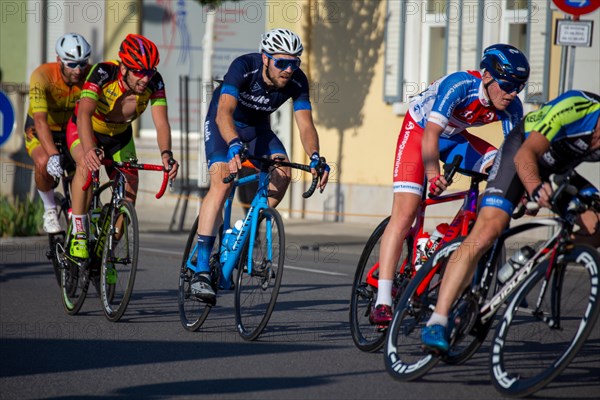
[507, 65]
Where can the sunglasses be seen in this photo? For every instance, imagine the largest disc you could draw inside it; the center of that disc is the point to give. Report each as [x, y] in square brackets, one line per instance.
[510, 87]
[141, 73]
[284, 63]
[73, 65]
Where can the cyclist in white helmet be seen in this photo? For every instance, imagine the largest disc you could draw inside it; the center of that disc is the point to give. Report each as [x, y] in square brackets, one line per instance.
[54, 89]
[255, 85]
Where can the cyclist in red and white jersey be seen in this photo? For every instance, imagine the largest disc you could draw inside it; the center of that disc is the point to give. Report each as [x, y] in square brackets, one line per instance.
[434, 129]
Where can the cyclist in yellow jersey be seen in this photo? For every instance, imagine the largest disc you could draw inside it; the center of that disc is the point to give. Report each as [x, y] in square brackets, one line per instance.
[54, 88]
[114, 94]
[559, 136]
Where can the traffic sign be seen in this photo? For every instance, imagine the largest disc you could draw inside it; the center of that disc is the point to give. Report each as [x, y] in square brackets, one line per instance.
[577, 7]
[7, 118]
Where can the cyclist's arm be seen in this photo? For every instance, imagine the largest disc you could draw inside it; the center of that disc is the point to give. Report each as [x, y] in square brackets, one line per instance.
[227, 105]
[431, 150]
[308, 131]
[526, 164]
[86, 109]
[44, 134]
[163, 136]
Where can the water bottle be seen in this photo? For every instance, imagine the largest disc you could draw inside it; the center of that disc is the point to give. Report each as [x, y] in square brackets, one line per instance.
[514, 263]
[421, 256]
[229, 237]
[436, 238]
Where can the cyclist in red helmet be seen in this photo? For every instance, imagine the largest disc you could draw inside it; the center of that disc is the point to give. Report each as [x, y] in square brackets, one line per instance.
[114, 94]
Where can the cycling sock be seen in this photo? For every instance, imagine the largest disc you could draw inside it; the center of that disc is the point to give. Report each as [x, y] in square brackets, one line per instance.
[438, 319]
[47, 199]
[79, 223]
[384, 292]
[205, 245]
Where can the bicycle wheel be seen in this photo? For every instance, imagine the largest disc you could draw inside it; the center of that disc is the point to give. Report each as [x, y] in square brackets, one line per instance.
[532, 347]
[192, 312]
[404, 357]
[74, 283]
[119, 260]
[367, 336]
[58, 239]
[256, 292]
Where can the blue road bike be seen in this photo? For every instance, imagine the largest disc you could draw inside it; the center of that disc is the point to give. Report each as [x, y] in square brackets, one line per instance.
[257, 251]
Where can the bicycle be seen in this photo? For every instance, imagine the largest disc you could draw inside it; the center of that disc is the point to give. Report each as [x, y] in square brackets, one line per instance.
[257, 252]
[559, 278]
[367, 336]
[113, 244]
[63, 203]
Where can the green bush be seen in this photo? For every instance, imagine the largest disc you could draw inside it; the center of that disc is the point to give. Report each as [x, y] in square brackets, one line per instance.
[20, 218]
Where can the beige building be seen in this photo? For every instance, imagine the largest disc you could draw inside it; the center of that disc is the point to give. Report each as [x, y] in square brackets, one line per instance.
[364, 59]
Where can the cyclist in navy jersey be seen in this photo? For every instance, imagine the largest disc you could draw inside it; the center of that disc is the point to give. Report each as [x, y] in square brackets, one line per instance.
[559, 136]
[255, 86]
[434, 129]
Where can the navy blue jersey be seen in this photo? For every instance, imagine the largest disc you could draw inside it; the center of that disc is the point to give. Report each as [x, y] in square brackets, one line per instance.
[256, 101]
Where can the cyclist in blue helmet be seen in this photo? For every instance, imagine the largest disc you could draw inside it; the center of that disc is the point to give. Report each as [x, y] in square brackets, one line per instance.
[507, 65]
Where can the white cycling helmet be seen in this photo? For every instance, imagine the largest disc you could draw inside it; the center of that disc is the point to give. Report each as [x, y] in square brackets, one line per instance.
[73, 47]
[281, 41]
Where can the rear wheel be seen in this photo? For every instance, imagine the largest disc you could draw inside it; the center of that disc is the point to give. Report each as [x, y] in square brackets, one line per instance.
[119, 261]
[74, 283]
[533, 345]
[57, 240]
[367, 336]
[192, 311]
[256, 291]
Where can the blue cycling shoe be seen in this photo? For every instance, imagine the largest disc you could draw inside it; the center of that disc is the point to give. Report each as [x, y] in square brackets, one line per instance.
[434, 339]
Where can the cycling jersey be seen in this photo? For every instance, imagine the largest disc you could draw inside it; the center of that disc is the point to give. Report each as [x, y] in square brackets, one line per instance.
[457, 101]
[568, 122]
[104, 85]
[48, 93]
[256, 102]
[454, 102]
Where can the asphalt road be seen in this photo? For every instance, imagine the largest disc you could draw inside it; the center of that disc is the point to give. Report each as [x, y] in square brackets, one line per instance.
[305, 352]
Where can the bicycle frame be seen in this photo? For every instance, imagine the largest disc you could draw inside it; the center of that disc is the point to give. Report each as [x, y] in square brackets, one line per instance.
[259, 203]
[459, 225]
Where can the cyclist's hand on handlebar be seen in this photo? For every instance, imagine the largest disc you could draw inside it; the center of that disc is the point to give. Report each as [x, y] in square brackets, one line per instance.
[54, 167]
[233, 155]
[170, 164]
[319, 166]
[93, 158]
[542, 194]
[437, 185]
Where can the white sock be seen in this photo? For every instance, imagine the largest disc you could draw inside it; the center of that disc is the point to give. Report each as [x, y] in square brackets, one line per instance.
[438, 319]
[384, 293]
[79, 223]
[47, 199]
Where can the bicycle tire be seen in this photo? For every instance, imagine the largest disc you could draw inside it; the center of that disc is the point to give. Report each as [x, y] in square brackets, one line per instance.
[404, 357]
[366, 336]
[256, 293]
[59, 239]
[527, 353]
[120, 251]
[74, 284]
[192, 312]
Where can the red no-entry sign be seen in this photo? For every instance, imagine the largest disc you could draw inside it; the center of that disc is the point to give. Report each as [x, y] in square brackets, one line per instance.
[577, 7]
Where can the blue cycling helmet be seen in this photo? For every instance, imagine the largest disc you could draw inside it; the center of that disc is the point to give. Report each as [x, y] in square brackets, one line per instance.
[507, 65]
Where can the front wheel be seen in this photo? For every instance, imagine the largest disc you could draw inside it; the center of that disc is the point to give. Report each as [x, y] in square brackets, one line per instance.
[119, 260]
[539, 336]
[260, 269]
[367, 336]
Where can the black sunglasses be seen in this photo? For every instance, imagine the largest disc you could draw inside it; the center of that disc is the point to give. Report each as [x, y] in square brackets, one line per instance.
[140, 73]
[284, 63]
[510, 87]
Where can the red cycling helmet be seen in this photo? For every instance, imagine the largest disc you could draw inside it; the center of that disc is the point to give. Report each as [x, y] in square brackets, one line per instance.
[137, 52]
